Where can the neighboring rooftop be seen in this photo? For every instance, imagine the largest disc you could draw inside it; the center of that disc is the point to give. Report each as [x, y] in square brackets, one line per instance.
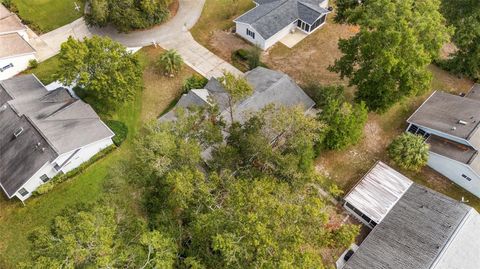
[271, 16]
[12, 45]
[270, 87]
[378, 191]
[423, 230]
[4, 12]
[52, 123]
[474, 92]
[10, 23]
[451, 114]
[451, 149]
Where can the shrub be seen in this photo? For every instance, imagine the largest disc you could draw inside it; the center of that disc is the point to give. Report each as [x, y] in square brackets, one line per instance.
[33, 63]
[120, 130]
[194, 82]
[409, 151]
[322, 95]
[170, 62]
[44, 188]
[247, 59]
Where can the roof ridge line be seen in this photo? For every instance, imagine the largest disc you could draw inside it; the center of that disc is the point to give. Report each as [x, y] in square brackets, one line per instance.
[42, 134]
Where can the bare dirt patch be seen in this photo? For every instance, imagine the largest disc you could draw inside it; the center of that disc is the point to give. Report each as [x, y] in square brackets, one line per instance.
[225, 43]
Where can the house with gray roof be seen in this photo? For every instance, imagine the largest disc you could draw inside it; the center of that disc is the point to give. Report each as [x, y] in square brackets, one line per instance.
[15, 51]
[271, 20]
[270, 87]
[413, 227]
[43, 133]
[450, 125]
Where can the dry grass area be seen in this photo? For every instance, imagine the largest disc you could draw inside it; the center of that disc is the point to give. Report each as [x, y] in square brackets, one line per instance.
[310, 58]
[347, 167]
[160, 91]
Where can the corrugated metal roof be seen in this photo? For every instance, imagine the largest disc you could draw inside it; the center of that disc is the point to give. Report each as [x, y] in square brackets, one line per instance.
[378, 191]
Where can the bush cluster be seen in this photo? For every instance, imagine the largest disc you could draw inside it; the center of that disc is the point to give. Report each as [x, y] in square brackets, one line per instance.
[120, 130]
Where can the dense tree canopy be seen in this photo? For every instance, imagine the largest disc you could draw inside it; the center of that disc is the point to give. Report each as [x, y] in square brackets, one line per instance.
[388, 58]
[102, 67]
[409, 151]
[464, 15]
[255, 204]
[127, 15]
[93, 236]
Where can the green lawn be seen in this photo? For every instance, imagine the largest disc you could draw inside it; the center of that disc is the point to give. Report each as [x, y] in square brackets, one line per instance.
[17, 221]
[46, 15]
[45, 70]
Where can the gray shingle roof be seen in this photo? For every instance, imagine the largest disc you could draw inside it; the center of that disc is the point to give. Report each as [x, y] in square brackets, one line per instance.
[271, 16]
[442, 112]
[270, 87]
[413, 234]
[58, 121]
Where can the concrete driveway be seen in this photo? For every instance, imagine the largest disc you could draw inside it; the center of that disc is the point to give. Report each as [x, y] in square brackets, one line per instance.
[173, 34]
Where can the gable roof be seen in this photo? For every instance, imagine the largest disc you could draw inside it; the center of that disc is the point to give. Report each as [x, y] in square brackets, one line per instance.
[423, 229]
[4, 12]
[12, 45]
[10, 23]
[271, 16]
[53, 123]
[443, 111]
[270, 87]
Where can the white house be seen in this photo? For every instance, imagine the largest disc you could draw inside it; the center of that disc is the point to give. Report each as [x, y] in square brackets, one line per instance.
[450, 125]
[15, 51]
[43, 133]
[415, 227]
[271, 20]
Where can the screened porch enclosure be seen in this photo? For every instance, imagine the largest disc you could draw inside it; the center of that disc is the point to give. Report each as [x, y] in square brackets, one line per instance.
[310, 28]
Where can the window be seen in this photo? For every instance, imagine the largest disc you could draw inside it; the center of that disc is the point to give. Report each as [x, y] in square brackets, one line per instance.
[23, 192]
[466, 177]
[57, 167]
[44, 178]
[6, 67]
[250, 33]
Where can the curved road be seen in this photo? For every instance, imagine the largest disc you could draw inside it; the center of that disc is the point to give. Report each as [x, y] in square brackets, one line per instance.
[173, 34]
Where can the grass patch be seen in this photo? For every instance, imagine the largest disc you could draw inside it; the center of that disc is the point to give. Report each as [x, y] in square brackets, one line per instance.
[47, 15]
[17, 221]
[45, 70]
[217, 15]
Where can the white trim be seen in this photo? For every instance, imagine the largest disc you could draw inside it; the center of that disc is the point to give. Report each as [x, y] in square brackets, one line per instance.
[418, 108]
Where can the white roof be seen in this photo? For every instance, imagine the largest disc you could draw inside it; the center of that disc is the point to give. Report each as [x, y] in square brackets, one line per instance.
[463, 249]
[378, 191]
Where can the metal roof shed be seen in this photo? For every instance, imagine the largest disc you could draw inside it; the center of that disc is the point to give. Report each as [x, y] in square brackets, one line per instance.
[376, 193]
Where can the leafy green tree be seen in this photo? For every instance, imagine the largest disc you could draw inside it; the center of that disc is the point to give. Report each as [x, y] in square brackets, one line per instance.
[344, 123]
[409, 151]
[127, 15]
[464, 15]
[263, 223]
[276, 141]
[387, 60]
[343, 9]
[322, 95]
[102, 67]
[92, 236]
[170, 62]
[237, 89]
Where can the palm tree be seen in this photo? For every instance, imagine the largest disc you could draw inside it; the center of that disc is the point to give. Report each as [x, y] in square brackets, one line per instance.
[170, 62]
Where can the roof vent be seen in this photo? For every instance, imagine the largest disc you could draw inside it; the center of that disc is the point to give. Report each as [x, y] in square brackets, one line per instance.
[3, 108]
[18, 132]
[462, 122]
[454, 128]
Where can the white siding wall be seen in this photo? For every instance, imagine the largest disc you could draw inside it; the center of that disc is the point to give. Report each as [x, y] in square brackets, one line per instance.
[241, 30]
[20, 63]
[48, 169]
[454, 170]
[279, 35]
